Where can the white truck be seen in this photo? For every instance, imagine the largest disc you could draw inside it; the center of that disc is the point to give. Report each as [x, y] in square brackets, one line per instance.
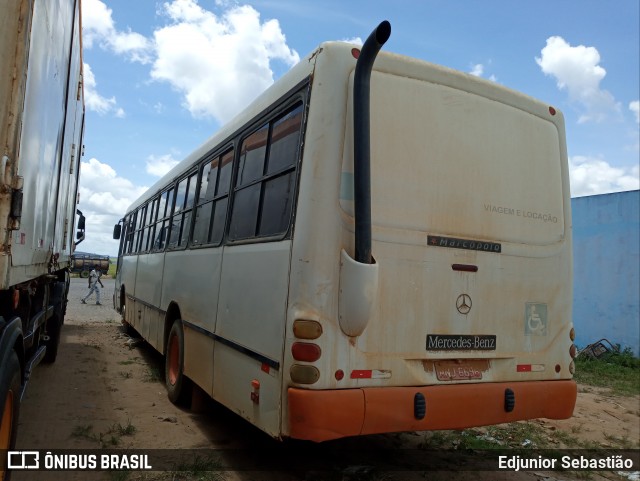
[41, 127]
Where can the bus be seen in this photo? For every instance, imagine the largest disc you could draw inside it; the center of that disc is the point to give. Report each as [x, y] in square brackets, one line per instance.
[376, 244]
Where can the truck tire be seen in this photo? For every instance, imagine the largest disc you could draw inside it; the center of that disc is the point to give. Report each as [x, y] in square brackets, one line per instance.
[178, 385]
[84, 274]
[9, 408]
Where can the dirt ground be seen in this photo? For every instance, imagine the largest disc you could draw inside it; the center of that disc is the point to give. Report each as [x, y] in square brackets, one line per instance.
[102, 392]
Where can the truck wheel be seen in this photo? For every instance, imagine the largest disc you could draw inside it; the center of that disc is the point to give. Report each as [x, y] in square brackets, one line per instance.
[54, 328]
[9, 408]
[84, 274]
[178, 385]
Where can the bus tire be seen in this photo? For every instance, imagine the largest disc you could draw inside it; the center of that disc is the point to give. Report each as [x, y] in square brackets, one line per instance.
[178, 385]
[9, 408]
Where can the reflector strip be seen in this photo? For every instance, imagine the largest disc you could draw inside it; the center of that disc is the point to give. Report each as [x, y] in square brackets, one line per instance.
[530, 367]
[370, 374]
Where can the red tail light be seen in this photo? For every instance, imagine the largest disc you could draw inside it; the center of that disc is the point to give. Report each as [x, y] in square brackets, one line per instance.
[305, 351]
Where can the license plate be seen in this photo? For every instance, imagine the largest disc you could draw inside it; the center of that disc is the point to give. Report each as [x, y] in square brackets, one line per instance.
[461, 370]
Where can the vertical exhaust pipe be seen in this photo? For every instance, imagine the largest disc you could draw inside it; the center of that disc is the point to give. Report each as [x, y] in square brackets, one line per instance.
[361, 140]
[358, 293]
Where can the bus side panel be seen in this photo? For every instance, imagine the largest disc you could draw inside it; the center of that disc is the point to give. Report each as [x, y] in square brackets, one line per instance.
[127, 278]
[233, 387]
[193, 283]
[251, 315]
[253, 296]
[148, 277]
[198, 358]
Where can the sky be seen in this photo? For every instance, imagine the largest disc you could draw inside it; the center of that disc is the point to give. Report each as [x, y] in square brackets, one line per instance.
[163, 76]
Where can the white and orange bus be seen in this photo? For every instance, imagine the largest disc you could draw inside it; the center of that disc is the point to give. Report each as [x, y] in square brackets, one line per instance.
[325, 274]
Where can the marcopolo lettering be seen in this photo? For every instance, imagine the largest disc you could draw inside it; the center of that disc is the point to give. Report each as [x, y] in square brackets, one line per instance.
[468, 244]
[461, 342]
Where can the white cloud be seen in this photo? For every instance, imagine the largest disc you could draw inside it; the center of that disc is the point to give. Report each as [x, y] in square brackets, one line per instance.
[104, 198]
[93, 100]
[354, 40]
[635, 108]
[577, 70]
[160, 165]
[477, 70]
[218, 63]
[96, 22]
[98, 27]
[590, 176]
[232, 63]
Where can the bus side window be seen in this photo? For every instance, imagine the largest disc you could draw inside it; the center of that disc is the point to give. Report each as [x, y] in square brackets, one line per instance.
[130, 233]
[188, 208]
[181, 220]
[222, 198]
[164, 223]
[278, 191]
[142, 213]
[176, 220]
[211, 211]
[252, 155]
[150, 229]
[209, 173]
[124, 236]
[283, 148]
[263, 208]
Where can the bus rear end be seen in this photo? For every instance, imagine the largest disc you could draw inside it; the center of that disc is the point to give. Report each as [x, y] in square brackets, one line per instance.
[467, 317]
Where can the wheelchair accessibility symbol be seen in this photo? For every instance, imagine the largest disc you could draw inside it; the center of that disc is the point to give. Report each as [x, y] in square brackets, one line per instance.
[535, 319]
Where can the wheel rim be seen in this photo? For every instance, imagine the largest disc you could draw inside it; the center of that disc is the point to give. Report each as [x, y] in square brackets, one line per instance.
[7, 421]
[174, 360]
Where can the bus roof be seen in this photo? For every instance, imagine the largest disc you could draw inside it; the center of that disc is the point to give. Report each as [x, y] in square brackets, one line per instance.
[386, 62]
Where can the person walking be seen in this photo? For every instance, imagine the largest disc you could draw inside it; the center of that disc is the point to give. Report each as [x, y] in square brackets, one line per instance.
[94, 280]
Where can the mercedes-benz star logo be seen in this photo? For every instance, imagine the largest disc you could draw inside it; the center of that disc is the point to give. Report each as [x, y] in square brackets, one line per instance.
[463, 304]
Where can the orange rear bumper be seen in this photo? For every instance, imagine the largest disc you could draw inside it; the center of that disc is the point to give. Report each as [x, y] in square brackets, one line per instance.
[330, 414]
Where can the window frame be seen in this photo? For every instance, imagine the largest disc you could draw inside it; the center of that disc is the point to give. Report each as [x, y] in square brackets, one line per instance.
[219, 153]
[270, 117]
[168, 208]
[186, 176]
[141, 216]
[298, 94]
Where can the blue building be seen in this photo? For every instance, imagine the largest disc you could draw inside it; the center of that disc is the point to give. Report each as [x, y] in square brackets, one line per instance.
[606, 269]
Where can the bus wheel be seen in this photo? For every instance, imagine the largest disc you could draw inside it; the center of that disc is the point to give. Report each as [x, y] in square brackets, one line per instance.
[10, 407]
[178, 385]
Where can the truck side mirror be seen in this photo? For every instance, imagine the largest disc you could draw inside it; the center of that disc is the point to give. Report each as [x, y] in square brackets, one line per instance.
[81, 223]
